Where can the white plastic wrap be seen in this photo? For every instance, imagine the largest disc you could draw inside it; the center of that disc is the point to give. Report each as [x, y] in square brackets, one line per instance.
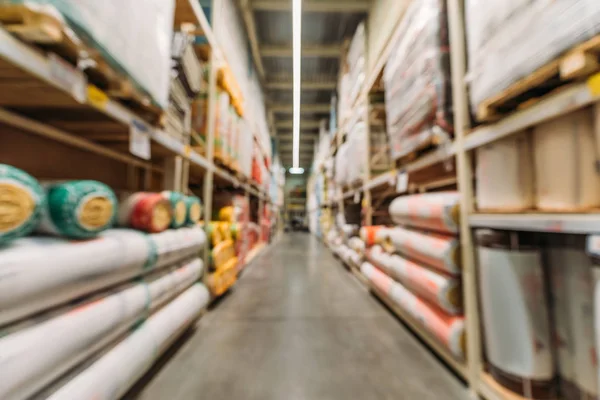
[356, 61]
[112, 375]
[342, 166]
[39, 353]
[37, 273]
[435, 211]
[505, 175]
[510, 39]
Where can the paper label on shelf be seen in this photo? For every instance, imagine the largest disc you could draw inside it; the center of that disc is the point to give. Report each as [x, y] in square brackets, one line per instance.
[96, 97]
[139, 140]
[593, 244]
[68, 77]
[356, 197]
[402, 182]
[593, 84]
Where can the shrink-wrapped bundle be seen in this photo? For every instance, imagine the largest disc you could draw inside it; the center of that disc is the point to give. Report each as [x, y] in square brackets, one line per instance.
[505, 179]
[515, 314]
[45, 349]
[223, 278]
[356, 61]
[565, 163]
[440, 290]
[150, 212]
[356, 244]
[132, 357]
[193, 207]
[178, 208]
[448, 330]
[509, 40]
[373, 235]
[42, 272]
[418, 94]
[433, 211]
[78, 209]
[342, 165]
[437, 251]
[22, 201]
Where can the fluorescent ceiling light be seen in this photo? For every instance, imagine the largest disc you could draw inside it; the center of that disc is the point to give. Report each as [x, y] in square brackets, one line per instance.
[297, 57]
[296, 171]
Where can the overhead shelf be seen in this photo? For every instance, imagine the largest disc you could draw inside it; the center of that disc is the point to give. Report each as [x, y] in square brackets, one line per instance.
[563, 223]
[190, 12]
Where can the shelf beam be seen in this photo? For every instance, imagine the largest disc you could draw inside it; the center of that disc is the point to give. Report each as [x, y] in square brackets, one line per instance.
[304, 124]
[323, 108]
[326, 51]
[306, 86]
[322, 6]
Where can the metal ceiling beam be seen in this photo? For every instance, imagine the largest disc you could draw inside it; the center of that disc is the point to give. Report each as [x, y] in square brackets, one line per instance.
[330, 51]
[304, 124]
[324, 6]
[289, 85]
[304, 108]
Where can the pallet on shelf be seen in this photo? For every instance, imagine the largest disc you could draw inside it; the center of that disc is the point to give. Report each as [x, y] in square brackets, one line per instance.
[577, 63]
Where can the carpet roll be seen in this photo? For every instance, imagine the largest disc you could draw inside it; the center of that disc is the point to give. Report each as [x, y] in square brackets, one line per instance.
[432, 211]
[78, 209]
[145, 211]
[373, 235]
[22, 200]
[178, 208]
[193, 207]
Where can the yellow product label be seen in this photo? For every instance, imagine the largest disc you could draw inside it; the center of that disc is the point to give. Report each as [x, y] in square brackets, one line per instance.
[96, 97]
[594, 84]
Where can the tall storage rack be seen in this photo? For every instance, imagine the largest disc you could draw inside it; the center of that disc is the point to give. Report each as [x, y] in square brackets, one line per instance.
[458, 159]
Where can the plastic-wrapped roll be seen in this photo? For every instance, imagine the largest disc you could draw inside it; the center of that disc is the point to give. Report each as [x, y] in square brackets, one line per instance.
[222, 253]
[226, 214]
[178, 208]
[357, 245]
[447, 329]
[443, 291]
[78, 209]
[41, 272]
[433, 211]
[193, 207]
[131, 358]
[437, 251]
[145, 211]
[56, 344]
[22, 200]
[373, 235]
[222, 279]
[515, 314]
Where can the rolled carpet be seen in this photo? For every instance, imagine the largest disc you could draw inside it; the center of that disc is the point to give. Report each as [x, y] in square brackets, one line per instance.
[447, 329]
[373, 235]
[78, 209]
[193, 207]
[437, 251]
[57, 343]
[441, 290]
[178, 208]
[145, 211]
[22, 200]
[115, 372]
[432, 211]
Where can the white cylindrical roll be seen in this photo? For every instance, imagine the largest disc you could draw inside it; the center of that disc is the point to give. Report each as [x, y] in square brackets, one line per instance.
[373, 235]
[433, 211]
[356, 244]
[565, 163]
[443, 291]
[505, 175]
[113, 374]
[42, 352]
[437, 251]
[514, 309]
[42, 272]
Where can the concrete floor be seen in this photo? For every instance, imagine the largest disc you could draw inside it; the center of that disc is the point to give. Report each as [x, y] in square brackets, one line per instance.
[299, 326]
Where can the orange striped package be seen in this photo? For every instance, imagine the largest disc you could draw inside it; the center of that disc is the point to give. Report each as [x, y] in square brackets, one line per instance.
[437, 251]
[373, 235]
[447, 329]
[150, 212]
[432, 211]
[440, 290]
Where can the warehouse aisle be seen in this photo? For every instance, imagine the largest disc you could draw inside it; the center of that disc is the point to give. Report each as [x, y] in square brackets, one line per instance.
[298, 326]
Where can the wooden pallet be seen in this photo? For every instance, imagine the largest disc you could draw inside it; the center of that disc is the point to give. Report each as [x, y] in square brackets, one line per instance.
[577, 63]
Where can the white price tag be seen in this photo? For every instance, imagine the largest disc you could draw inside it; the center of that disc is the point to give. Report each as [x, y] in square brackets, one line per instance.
[68, 77]
[356, 197]
[139, 140]
[402, 182]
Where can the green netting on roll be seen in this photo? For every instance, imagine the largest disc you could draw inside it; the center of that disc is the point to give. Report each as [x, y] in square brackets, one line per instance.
[178, 206]
[194, 209]
[21, 202]
[78, 209]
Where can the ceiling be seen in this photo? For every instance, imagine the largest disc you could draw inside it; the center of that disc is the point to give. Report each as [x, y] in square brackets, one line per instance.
[325, 26]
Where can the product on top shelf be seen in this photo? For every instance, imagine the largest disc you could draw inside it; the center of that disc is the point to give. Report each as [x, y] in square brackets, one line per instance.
[440, 290]
[146, 211]
[188, 67]
[565, 163]
[515, 314]
[572, 289]
[22, 200]
[193, 207]
[508, 41]
[448, 330]
[437, 251]
[111, 375]
[373, 235]
[418, 95]
[433, 211]
[42, 272]
[357, 62]
[178, 208]
[78, 209]
[60, 341]
[505, 180]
